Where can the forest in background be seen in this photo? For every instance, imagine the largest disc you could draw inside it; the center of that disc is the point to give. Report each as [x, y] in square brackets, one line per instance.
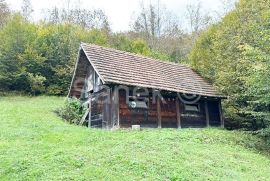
[231, 51]
[234, 54]
[39, 57]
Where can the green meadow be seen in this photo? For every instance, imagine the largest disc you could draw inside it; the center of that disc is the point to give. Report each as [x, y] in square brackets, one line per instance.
[37, 145]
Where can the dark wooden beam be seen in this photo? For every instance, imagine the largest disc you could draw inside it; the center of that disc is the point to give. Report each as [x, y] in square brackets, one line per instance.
[158, 112]
[115, 103]
[89, 107]
[111, 104]
[206, 113]
[117, 110]
[221, 115]
[106, 110]
[178, 115]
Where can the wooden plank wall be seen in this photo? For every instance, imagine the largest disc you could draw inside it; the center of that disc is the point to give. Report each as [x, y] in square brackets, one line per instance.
[148, 118]
[128, 116]
[152, 113]
[81, 72]
[193, 119]
[168, 113]
[101, 109]
[114, 107]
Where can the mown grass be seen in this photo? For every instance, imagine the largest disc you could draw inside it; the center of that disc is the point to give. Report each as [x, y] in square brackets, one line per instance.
[36, 145]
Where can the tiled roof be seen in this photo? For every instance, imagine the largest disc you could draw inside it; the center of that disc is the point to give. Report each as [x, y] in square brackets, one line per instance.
[125, 68]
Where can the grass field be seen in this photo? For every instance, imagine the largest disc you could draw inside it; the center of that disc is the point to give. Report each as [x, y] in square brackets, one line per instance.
[36, 145]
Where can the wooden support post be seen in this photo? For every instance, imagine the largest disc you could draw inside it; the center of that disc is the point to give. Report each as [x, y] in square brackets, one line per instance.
[117, 110]
[177, 103]
[116, 120]
[112, 116]
[206, 113]
[158, 113]
[89, 107]
[106, 110]
[111, 105]
[221, 115]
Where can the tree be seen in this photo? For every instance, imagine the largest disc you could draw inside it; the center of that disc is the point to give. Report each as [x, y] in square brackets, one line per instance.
[53, 16]
[122, 42]
[4, 12]
[162, 31]
[226, 7]
[234, 55]
[197, 20]
[15, 37]
[95, 19]
[27, 9]
[40, 57]
[155, 21]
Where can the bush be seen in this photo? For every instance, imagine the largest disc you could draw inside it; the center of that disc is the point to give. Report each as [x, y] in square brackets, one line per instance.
[72, 111]
[36, 83]
[265, 134]
[55, 90]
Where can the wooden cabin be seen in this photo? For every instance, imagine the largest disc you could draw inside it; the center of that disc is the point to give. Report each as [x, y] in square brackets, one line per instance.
[122, 89]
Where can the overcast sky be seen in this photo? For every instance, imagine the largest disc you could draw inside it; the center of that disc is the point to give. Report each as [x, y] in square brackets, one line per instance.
[119, 12]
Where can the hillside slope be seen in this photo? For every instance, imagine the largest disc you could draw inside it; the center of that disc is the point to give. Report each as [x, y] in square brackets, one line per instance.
[35, 144]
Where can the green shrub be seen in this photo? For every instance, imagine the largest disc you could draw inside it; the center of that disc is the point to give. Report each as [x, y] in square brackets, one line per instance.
[264, 134]
[36, 83]
[72, 111]
[55, 90]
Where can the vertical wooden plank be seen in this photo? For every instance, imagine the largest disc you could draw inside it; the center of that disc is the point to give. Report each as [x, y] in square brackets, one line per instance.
[221, 115]
[177, 102]
[109, 102]
[89, 107]
[206, 113]
[115, 104]
[117, 109]
[94, 81]
[158, 113]
[112, 105]
[106, 110]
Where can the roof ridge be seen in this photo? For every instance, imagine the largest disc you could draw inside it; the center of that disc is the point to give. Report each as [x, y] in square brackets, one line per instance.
[138, 55]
